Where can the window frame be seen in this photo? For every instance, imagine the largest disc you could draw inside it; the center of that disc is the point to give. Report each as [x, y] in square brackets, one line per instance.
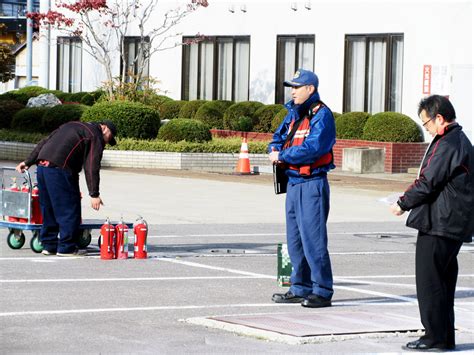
[279, 79]
[127, 40]
[72, 41]
[185, 65]
[389, 37]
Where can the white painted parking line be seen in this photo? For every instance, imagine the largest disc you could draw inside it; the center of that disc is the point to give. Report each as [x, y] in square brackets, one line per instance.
[392, 276]
[193, 264]
[128, 279]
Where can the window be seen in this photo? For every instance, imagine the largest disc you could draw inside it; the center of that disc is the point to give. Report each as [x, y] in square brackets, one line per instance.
[69, 71]
[373, 73]
[136, 56]
[216, 68]
[293, 52]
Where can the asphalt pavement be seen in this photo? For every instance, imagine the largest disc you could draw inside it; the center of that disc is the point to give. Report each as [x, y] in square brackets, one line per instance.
[212, 254]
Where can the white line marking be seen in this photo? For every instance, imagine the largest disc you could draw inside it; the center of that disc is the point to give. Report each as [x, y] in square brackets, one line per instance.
[411, 286]
[189, 278]
[375, 293]
[392, 276]
[189, 263]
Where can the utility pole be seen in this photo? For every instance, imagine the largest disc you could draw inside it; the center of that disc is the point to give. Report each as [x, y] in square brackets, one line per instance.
[29, 45]
[45, 49]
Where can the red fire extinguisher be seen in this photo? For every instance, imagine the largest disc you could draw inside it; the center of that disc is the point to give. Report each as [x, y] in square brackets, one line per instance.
[121, 241]
[107, 245]
[37, 216]
[140, 230]
[26, 189]
[13, 188]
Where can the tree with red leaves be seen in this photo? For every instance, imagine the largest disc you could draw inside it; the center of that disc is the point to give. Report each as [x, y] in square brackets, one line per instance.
[103, 26]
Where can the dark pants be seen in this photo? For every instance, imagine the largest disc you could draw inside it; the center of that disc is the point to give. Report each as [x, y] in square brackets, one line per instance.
[436, 276]
[60, 202]
[307, 210]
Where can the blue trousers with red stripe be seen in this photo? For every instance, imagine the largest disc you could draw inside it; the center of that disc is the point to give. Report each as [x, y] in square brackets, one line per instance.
[307, 210]
[60, 202]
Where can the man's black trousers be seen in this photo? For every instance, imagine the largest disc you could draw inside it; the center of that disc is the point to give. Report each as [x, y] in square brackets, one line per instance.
[436, 276]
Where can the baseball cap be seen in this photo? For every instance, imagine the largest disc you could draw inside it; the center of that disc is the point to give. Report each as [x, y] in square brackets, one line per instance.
[113, 130]
[303, 77]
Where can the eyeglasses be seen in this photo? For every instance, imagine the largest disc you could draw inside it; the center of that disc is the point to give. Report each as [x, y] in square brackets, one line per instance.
[426, 122]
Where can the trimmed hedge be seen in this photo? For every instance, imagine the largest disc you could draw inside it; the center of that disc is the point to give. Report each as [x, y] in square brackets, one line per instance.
[11, 135]
[169, 110]
[392, 127]
[278, 119]
[216, 145]
[133, 119]
[21, 98]
[212, 113]
[57, 115]
[8, 108]
[182, 129]
[91, 98]
[155, 100]
[189, 109]
[265, 116]
[350, 125]
[29, 119]
[336, 115]
[232, 116]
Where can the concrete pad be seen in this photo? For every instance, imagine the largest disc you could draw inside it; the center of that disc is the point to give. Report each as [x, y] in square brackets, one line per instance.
[316, 327]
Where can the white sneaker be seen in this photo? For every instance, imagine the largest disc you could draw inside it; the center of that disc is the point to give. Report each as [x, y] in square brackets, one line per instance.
[47, 252]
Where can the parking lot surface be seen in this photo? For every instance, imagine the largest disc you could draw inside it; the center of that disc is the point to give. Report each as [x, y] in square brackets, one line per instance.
[212, 253]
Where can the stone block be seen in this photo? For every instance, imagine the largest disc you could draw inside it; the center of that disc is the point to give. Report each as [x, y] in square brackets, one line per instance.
[363, 160]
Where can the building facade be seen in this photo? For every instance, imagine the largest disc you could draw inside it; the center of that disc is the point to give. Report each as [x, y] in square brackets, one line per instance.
[370, 55]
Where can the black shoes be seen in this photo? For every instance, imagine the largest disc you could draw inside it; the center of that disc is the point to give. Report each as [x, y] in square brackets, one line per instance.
[419, 345]
[316, 301]
[288, 297]
[312, 301]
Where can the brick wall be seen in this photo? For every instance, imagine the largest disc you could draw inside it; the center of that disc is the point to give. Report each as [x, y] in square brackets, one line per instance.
[398, 156]
[256, 136]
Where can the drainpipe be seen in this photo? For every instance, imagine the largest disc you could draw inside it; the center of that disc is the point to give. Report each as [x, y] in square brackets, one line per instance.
[44, 44]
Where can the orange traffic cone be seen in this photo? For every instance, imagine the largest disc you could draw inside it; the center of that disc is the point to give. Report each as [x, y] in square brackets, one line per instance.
[243, 165]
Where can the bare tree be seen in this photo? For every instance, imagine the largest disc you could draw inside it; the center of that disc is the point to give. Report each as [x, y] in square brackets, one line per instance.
[104, 25]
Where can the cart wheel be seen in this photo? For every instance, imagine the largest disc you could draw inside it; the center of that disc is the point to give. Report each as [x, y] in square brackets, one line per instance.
[84, 239]
[15, 241]
[35, 243]
[99, 240]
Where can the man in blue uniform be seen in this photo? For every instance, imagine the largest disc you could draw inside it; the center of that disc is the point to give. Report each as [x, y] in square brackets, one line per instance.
[302, 145]
[59, 159]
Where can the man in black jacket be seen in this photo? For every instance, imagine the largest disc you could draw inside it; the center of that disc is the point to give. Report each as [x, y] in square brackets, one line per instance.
[441, 201]
[59, 159]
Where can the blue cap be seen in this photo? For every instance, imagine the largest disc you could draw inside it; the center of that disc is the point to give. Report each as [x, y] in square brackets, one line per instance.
[303, 77]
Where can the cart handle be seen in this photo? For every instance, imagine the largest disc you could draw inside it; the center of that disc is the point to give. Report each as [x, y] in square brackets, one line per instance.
[25, 172]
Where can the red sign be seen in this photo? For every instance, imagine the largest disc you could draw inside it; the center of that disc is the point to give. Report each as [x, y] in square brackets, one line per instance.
[426, 79]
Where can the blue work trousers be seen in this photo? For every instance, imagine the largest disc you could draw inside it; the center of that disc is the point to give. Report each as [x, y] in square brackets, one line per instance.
[60, 202]
[307, 209]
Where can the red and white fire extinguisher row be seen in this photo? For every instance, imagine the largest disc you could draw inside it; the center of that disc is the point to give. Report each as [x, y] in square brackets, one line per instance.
[36, 216]
[114, 240]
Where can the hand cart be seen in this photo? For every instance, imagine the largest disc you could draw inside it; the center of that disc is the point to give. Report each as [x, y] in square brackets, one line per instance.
[18, 204]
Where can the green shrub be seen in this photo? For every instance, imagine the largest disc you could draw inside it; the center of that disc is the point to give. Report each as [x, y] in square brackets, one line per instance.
[64, 96]
[11, 135]
[212, 113]
[132, 119]
[91, 98]
[170, 109]
[33, 91]
[155, 100]
[350, 125]
[29, 119]
[392, 127]
[265, 116]
[244, 124]
[8, 108]
[22, 98]
[278, 119]
[336, 115]
[57, 115]
[189, 109]
[241, 109]
[189, 130]
[77, 96]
